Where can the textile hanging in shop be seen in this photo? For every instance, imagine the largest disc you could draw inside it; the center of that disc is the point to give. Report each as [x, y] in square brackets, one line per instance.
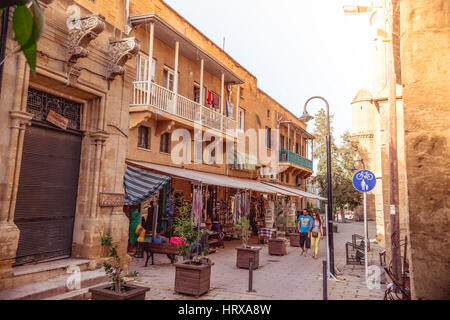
[170, 208]
[140, 185]
[197, 205]
[269, 214]
[291, 217]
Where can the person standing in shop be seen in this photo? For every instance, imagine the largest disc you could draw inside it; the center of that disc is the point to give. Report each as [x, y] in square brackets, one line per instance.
[304, 225]
[135, 219]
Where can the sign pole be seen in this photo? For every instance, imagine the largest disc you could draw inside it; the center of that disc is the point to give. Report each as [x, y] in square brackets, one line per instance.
[366, 236]
[364, 181]
[328, 246]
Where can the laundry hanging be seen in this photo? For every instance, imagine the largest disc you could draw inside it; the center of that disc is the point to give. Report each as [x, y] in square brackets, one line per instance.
[230, 109]
[209, 97]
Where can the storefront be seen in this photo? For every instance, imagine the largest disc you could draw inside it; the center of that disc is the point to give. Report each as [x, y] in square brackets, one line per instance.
[219, 201]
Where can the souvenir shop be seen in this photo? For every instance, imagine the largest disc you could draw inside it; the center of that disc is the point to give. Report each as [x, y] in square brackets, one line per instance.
[216, 202]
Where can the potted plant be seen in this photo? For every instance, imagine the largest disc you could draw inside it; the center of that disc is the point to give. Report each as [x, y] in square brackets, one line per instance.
[193, 275]
[117, 289]
[245, 252]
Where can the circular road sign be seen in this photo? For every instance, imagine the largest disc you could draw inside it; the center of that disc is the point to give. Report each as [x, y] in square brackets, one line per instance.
[364, 181]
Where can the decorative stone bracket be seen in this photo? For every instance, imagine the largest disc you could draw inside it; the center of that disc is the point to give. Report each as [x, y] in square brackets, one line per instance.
[83, 31]
[120, 52]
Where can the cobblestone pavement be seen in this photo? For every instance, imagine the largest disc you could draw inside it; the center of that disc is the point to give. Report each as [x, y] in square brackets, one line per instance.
[289, 277]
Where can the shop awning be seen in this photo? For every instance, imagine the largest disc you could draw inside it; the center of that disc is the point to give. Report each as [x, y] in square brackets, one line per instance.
[212, 178]
[141, 185]
[300, 193]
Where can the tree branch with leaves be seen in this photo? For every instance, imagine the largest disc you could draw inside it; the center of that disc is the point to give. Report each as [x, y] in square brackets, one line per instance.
[28, 23]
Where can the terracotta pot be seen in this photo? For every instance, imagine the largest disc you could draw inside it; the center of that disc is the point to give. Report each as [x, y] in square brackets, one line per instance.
[192, 279]
[243, 257]
[132, 292]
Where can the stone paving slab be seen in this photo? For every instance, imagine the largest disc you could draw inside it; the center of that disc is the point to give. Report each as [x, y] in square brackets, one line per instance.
[289, 277]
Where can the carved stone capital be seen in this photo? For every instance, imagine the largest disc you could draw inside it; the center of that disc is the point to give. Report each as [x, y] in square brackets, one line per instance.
[100, 136]
[21, 117]
[81, 32]
[119, 53]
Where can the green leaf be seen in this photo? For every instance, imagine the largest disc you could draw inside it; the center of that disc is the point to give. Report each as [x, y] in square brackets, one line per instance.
[23, 24]
[30, 54]
[37, 26]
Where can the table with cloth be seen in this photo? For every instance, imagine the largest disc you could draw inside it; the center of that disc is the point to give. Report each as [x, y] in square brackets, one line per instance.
[265, 233]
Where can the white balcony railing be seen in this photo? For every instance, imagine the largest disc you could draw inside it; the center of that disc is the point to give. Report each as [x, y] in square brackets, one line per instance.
[164, 99]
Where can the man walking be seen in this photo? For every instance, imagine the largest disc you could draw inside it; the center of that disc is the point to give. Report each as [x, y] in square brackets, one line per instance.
[304, 227]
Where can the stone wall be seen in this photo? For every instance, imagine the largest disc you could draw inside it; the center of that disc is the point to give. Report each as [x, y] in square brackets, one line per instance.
[425, 52]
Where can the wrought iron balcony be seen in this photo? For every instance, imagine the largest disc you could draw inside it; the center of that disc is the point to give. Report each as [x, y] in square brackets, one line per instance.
[292, 157]
[175, 104]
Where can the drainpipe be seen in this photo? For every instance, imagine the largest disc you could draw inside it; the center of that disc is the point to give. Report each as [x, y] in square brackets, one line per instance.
[5, 21]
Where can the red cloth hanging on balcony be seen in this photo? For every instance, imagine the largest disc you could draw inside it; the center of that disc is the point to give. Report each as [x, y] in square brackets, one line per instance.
[209, 97]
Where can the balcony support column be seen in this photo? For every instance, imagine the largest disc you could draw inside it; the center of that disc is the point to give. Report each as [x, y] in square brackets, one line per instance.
[295, 140]
[202, 64]
[288, 137]
[301, 144]
[150, 61]
[238, 94]
[222, 92]
[175, 77]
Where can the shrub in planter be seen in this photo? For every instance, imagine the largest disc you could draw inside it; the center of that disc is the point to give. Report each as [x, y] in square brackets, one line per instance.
[117, 289]
[193, 275]
[245, 252]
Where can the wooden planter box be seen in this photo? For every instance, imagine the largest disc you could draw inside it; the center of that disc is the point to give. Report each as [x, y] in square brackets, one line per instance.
[243, 257]
[192, 279]
[294, 239]
[132, 292]
[277, 247]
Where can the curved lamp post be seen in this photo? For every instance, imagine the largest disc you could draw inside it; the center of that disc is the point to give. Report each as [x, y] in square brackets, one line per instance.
[305, 118]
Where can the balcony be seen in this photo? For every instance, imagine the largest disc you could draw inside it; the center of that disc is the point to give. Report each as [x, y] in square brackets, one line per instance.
[287, 156]
[181, 107]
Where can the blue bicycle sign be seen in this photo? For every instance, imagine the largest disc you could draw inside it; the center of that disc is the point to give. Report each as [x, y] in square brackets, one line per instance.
[364, 181]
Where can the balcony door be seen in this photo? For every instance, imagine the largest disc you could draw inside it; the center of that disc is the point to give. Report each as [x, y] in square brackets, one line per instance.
[169, 96]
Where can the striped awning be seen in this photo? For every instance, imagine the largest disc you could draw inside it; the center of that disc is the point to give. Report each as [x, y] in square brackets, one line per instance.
[141, 185]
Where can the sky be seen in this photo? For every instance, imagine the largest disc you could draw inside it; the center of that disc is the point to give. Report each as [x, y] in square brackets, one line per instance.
[295, 48]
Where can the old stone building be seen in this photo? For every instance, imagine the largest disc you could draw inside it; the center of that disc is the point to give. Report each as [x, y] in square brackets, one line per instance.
[96, 105]
[420, 48]
[63, 143]
[186, 68]
[425, 52]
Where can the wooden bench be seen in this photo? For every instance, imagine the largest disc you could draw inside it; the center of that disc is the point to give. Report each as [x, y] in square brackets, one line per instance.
[165, 248]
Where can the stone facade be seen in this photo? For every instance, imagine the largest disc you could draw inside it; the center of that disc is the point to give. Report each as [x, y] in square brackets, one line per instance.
[422, 29]
[425, 52]
[94, 64]
[260, 110]
[104, 126]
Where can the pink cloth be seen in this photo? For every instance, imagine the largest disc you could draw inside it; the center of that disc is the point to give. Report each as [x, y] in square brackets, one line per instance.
[177, 240]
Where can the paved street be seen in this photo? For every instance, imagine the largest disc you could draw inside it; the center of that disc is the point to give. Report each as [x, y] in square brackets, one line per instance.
[290, 277]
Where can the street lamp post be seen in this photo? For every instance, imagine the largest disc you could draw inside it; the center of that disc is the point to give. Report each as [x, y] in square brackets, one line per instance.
[305, 118]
